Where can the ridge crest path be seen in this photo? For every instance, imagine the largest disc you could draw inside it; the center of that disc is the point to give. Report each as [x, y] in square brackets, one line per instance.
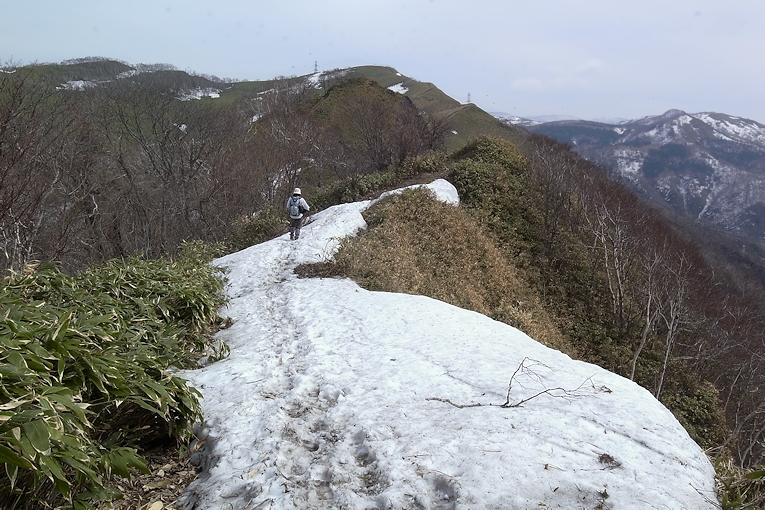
[335, 397]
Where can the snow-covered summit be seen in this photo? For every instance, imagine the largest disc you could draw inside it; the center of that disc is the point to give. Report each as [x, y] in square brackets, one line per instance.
[337, 397]
[709, 166]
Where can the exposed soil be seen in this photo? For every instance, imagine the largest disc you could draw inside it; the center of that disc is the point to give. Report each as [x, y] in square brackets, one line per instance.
[159, 490]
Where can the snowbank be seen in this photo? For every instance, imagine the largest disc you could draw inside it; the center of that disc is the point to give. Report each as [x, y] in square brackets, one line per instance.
[336, 397]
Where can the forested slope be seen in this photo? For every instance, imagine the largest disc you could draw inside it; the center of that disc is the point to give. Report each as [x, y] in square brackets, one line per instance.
[124, 164]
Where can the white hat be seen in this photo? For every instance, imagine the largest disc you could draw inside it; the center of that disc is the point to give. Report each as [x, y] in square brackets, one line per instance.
[296, 191]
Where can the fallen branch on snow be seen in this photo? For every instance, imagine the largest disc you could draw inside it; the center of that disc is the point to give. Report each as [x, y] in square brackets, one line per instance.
[526, 368]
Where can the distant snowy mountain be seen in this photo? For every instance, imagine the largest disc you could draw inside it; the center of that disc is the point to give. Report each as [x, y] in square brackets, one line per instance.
[530, 121]
[710, 166]
[542, 119]
[515, 120]
[610, 120]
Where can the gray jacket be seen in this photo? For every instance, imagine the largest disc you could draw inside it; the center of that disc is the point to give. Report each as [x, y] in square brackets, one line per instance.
[300, 202]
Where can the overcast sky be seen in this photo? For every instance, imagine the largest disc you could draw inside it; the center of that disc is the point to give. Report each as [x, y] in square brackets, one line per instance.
[582, 58]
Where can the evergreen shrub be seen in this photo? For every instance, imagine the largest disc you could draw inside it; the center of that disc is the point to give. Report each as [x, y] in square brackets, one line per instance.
[87, 371]
[269, 222]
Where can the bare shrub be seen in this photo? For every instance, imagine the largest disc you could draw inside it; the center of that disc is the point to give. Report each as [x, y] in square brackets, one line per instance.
[419, 245]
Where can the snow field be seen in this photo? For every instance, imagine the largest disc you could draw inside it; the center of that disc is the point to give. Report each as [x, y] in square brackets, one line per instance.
[337, 397]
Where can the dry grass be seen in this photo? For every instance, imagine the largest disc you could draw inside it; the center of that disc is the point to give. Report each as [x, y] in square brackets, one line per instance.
[417, 245]
[159, 490]
[738, 488]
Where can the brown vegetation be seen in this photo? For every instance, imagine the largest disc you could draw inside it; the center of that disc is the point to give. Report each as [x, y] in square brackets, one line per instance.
[417, 245]
[549, 243]
[127, 167]
[543, 240]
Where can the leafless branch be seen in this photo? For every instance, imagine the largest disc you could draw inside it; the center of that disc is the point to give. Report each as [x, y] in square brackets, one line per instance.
[459, 406]
[525, 368]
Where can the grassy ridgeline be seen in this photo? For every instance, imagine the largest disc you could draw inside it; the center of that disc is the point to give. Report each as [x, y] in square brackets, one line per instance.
[86, 371]
[492, 255]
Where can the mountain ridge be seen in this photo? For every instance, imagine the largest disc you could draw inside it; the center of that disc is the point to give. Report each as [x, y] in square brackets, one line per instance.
[709, 166]
[468, 119]
[532, 230]
[357, 402]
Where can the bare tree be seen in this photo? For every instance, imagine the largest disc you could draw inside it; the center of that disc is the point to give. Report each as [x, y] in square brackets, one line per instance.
[380, 128]
[610, 225]
[34, 122]
[675, 312]
[169, 153]
[651, 262]
[286, 140]
[369, 130]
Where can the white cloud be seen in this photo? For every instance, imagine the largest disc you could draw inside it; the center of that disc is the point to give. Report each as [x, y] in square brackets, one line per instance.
[593, 64]
[528, 84]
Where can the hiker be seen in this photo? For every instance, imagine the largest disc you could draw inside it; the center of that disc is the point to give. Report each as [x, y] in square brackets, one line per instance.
[297, 207]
